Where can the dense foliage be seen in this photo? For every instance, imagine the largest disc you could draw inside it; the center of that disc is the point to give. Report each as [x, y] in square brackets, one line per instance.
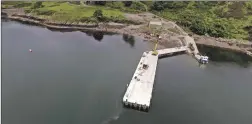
[98, 14]
[217, 19]
[100, 2]
[128, 6]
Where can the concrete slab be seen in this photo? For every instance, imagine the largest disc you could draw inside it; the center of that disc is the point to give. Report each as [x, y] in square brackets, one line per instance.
[139, 92]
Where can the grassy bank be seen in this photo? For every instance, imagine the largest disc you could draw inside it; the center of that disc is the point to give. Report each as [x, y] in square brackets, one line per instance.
[69, 12]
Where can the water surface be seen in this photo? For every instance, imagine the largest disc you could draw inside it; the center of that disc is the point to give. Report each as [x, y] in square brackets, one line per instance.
[79, 78]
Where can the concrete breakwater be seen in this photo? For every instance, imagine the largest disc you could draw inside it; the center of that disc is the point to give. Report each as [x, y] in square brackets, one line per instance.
[139, 91]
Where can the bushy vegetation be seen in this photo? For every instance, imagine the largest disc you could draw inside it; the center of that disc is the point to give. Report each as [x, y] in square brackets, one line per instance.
[217, 19]
[127, 6]
[72, 12]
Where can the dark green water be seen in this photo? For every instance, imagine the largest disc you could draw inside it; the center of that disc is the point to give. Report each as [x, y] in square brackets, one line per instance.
[220, 55]
[78, 78]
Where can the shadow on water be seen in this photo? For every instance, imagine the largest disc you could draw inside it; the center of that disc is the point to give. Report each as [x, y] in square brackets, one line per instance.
[129, 39]
[170, 55]
[220, 55]
[98, 36]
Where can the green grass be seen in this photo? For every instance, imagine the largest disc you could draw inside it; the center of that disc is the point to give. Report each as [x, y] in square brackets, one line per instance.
[64, 11]
[4, 6]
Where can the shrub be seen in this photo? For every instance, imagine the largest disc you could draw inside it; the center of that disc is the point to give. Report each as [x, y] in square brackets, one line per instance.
[217, 28]
[159, 5]
[127, 3]
[100, 3]
[27, 10]
[37, 5]
[98, 15]
[177, 4]
[138, 6]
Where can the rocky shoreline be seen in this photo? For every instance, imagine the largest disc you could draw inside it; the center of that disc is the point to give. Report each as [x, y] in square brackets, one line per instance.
[225, 44]
[134, 30]
[101, 27]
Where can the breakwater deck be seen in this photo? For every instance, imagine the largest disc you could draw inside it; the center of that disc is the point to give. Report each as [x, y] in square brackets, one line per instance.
[139, 91]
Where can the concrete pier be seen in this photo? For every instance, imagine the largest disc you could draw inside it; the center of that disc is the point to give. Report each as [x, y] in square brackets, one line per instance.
[139, 91]
[195, 52]
[170, 51]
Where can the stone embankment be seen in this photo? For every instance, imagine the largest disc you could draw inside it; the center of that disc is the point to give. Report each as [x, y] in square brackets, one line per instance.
[227, 44]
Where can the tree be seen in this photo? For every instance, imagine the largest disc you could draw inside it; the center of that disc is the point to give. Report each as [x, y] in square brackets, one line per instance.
[176, 4]
[98, 14]
[127, 3]
[100, 3]
[159, 5]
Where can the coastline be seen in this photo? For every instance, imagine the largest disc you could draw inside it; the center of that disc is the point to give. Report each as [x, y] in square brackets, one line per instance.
[129, 30]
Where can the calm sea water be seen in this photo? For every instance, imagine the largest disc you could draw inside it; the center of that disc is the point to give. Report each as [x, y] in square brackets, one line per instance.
[80, 78]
